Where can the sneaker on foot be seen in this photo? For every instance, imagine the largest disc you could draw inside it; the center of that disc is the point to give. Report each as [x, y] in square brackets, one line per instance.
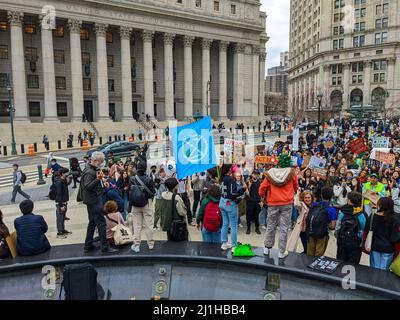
[225, 246]
[240, 225]
[283, 255]
[67, 219]
[135, 248]
[264, 227]
[109, 251]
[266, 251]
[151, 246]
[258, 231]
[66, 232]
[61, 236]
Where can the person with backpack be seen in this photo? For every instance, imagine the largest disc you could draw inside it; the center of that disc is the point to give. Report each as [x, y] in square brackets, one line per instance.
[320, 217]
[253, 200]
[141, 198]
[209, 217]
[19, 179]
[173, 212]
[60, 194]
[75, 170]
[385, 228]
[350, 228]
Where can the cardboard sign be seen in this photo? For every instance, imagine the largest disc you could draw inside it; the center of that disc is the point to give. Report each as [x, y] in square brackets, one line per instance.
[306, 161]
[380, 142]
[320, 173]
[325, 264]
[266, 160]
[357, 146]
[317, 162]
[387, 158]
[373, 197]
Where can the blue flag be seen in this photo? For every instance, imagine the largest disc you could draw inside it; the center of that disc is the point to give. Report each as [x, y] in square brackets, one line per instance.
[194, 148]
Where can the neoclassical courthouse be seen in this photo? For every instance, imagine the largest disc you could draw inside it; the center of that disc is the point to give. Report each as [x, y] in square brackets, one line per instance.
[167, 58]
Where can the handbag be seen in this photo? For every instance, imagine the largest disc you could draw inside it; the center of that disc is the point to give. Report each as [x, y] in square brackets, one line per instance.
[122, 234]
[395, 266]
[368, 240]
[178, 230]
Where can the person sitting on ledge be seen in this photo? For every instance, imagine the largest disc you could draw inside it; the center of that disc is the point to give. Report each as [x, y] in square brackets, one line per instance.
[31, 231]
[112, 218]
[4, 233]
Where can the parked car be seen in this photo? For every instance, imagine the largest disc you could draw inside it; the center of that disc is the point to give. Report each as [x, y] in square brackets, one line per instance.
[308, 126]
[118, 148]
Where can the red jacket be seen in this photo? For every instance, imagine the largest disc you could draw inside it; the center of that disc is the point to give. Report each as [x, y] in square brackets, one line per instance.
[279, 195]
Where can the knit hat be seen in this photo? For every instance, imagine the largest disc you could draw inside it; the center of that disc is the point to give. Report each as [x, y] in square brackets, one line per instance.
[284, 161]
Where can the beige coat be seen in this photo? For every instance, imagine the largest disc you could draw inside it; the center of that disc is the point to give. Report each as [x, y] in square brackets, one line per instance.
[300, 225]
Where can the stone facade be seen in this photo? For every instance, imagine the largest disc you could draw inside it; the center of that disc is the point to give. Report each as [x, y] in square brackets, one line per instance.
[348, 51]
[145, 56]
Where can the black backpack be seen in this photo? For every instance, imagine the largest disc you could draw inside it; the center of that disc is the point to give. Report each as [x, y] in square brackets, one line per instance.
[137, 194]
[178, 230]
[348, 232]
[52, 193]
[317, 221]
[23, 177]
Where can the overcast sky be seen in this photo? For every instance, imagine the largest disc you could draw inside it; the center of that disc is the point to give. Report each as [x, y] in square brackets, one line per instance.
[278, 12]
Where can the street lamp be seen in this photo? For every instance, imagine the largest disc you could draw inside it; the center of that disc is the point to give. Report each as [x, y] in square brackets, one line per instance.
[319, 98]
[11, 110]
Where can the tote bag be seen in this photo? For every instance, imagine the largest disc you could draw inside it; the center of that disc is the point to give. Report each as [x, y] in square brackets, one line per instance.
[122, 235]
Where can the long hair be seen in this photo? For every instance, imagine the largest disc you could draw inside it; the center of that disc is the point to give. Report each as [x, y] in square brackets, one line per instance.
[305, 193]
[386, 205]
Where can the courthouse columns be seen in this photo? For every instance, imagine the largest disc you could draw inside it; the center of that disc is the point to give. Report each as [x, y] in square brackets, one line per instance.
[49, 78]
[169, 75]
[18, 65]
[102, 72]
[390, 82]
[367, 82]
[76, 69]
[148, 72]
[261, 98]
[238, 86]
[126, 76]
[256, 78]
[223, 91]
[188, 77]
[346, 86]
[206, 76]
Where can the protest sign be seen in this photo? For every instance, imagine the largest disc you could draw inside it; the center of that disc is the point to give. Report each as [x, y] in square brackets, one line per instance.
[266, 160]
[306, 161]
[380, 142]
[357, 146]
[317, 162]
[320, 173]
[373, 197]
[386, 158]
[296, 136]
[324, 264]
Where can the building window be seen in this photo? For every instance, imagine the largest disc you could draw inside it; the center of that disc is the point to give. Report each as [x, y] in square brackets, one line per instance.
[381, 37]
[357, 67]
[337, 69]
[380, 65]
[134, 86]
[3, 80]
[110, 61]
[61, 83]
[233, 9]
[34, 108]
[33, 81]
[62, 110]
[357, 79]
[59, 32]
[154, 65]
[59, 56]
[198, 3]
[85, 57]
[109, 37]
[84, 34]
[31, 54]
[154, 87]
[379, 77]
[179, 1]
[3, 52]
[216, 6]
[3, 109]
[87, 84]
[111, 87]
[3, 26]
[358, 41]
[30, 28]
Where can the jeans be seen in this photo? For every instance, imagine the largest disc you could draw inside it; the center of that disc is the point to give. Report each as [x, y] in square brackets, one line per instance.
[229, 210]
[96, 219]
[60, 217]
[126, 205]
[380, 260]
[211, 237]
[17, 189]
[196, 200]
[262, 217]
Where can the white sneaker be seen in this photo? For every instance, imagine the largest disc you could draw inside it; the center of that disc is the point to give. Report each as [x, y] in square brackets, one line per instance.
[266, 251]
[151, 246]
[240, 225]
[225, 246]
[264, 227]
[283, 255]
[135, 248]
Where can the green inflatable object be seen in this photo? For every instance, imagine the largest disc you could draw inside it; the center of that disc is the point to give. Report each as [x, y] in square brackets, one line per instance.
[284, 161]
[243, 250]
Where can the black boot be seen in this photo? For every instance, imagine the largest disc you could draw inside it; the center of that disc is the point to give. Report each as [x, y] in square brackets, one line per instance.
[248, 230]
[258, 230]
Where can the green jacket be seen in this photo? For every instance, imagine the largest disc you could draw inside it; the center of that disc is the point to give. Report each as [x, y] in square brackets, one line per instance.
[204, 203]
[170, 213]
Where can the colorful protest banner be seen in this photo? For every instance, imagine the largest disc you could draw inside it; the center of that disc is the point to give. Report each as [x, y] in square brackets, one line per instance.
[387, 158]
[317, 162]
[267, 160]
[380, 142]
[357, 146]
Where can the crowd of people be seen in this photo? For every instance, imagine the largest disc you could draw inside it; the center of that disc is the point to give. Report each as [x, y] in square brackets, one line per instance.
[349, 195]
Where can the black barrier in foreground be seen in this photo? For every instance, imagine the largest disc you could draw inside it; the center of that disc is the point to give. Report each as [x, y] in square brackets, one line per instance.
[59, 144]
